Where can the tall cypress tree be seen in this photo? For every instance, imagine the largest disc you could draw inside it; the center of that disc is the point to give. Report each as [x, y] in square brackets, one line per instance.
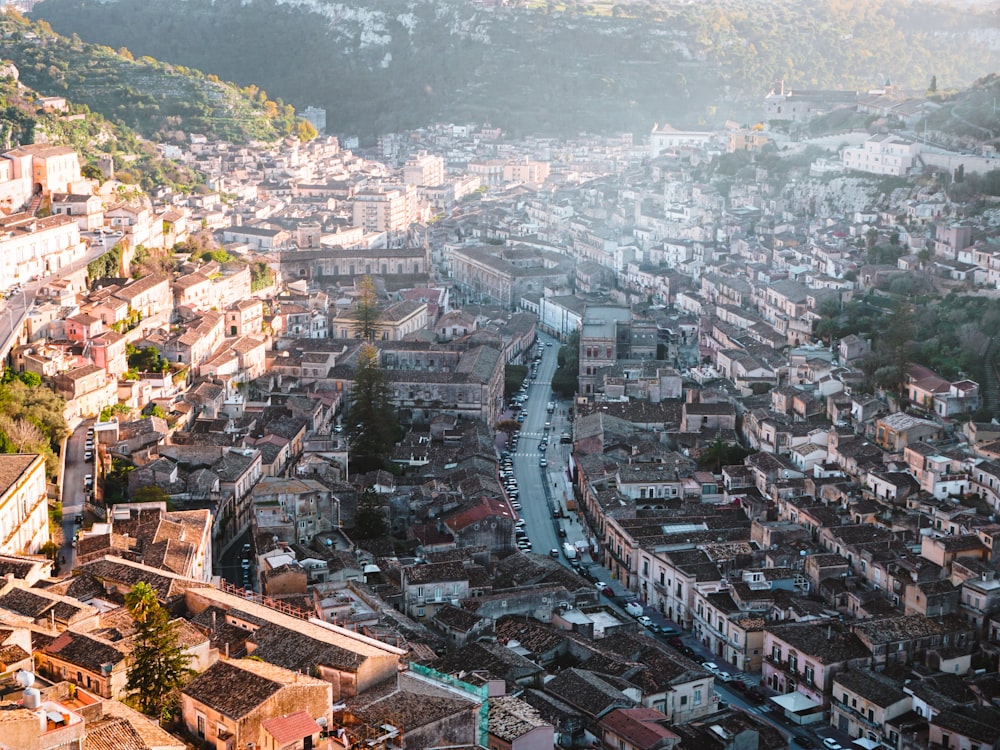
[159, 666]
[371, 414]
[366, 312]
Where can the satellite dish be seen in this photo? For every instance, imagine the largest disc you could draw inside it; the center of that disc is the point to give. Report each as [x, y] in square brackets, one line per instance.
[25, 679]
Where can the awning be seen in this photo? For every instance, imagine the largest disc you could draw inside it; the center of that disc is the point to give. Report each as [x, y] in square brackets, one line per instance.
[796, 703]
[865, 743]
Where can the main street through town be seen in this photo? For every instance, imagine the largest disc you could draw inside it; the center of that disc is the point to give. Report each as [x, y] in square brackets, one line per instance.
[75, 468]
[531, 478]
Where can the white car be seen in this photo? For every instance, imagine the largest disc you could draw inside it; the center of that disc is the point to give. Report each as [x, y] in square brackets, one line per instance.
[645, 621]
[832, 744]
[711, 666]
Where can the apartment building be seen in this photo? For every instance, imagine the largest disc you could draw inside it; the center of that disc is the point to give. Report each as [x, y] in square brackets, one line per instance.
[24, 517]
[33, 246]
[863, 701]
[386, 209]
[423, 169]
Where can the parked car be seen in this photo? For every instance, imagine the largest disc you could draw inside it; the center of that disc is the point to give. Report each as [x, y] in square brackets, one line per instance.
[669, 632]
[601, 586]
[553, 552]
[645, 621]
[802, 741]
[711, 666]
[832, 744]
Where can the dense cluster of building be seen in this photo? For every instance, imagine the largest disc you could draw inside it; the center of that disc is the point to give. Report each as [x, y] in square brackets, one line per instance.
[848, 560]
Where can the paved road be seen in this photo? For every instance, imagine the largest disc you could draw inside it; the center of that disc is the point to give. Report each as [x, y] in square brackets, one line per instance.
[531, 478]
[74, 470]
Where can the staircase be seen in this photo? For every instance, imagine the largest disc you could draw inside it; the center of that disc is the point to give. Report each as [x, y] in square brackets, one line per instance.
[36, 203]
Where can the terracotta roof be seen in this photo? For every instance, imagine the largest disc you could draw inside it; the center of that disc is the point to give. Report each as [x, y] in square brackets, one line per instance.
[510, 718]
[231, 690]
[83, 651]
[113, 734]
[291, 727]
[12, 467]
[639, 727]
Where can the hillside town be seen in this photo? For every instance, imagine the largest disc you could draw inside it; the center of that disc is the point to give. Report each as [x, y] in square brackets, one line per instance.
[639, 500]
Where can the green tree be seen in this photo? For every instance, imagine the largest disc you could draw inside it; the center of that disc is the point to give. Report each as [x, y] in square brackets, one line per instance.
[375, 425]
[564, 382]
[366, 312]
[147, 359]
[159, 666]
[219, 256]
[507, 426]
[369, 520]
[152, 493]
[513, 376]
[719, 453]
[261, 276]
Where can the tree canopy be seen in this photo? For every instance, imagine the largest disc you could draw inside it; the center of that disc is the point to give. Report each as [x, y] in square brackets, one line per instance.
[566, 378]
[369, 520]
[366, 311]
[375, 426]
[31, 418]
[159, 666]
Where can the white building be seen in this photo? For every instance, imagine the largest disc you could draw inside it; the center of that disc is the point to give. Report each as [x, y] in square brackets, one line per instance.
[667, 138]
[424, 169]
[24, 510]
[882, 154]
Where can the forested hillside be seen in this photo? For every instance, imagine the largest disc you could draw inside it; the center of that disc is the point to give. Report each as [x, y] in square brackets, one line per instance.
[158, 100]
[379, 65]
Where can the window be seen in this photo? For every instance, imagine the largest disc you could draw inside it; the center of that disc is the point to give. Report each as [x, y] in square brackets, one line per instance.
[697, 697]
[201, 726]
[684, 700]
[809, 675]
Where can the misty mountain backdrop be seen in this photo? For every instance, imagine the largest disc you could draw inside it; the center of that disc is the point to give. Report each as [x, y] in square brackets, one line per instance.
[545, 68]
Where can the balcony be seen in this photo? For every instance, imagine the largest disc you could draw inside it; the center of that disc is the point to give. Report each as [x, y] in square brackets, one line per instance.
[855, 714]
